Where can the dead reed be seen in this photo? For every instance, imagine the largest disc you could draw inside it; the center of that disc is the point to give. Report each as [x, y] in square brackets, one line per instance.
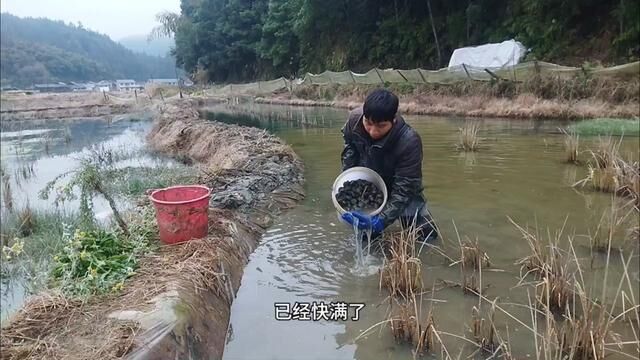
[472, 256]
[468, 139]
[610, 172]
[571, 145]
[7, 195]
[617, 218]
[401, 272]
[484, 330]
[409, 324]
[472, 259]
[577, 323]
[551, 266]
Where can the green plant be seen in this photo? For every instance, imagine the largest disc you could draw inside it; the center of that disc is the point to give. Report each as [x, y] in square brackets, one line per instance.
[607, 126]
[88, 179]
[132, 181]
[30, 238]
[99, 261]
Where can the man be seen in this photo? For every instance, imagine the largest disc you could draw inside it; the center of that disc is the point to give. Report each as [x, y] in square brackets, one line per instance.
[376, 137]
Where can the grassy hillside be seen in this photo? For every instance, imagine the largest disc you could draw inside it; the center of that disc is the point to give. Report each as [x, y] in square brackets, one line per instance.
[42, 50]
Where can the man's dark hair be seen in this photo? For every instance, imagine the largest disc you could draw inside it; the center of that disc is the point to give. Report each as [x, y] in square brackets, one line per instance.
[380, 105]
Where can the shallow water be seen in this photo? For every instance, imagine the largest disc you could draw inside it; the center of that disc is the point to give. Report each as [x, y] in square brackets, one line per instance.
[309, 256]
[37, 151]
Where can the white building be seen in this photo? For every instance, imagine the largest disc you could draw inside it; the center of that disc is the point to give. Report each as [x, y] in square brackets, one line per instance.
[127, 85]
[103, 86]
[167, 82]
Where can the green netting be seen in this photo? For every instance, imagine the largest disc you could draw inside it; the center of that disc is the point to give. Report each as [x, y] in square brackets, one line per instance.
[343, 77]
[412, 76]
[392, 76]
[444, 76]
[519, 72]
[371, 77]
[273, 85]
[624, 71]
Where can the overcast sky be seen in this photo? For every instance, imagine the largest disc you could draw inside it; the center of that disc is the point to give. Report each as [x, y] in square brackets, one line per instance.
[116, 18]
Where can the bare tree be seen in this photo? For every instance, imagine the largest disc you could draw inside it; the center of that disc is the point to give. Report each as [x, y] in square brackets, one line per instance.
[169, 23]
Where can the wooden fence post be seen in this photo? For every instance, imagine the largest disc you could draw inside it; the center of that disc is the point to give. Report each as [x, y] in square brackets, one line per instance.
[422, 76]
[380, 76]
[399, 73]
[466, 71]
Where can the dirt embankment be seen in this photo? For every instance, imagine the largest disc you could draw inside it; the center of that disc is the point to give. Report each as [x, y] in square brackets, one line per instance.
[68, 105]
[177, 305]
[545, 99]
[523, 107]
[17, 107]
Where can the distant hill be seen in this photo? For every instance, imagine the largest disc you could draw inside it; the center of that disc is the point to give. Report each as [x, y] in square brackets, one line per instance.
[139, 43]
[41, 51]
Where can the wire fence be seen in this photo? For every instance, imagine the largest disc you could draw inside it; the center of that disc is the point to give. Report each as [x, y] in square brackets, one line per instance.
[444, 76]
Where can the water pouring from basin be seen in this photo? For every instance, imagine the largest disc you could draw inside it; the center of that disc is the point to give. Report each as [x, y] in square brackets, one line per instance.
[350, 175]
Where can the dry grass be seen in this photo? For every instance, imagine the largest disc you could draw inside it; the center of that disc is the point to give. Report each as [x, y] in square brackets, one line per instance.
[610, 172]
[65, 105]
[524, 106]
[551, 266]
[471, 260]
[468, 139]
[616, 218]
[409, 324]
[569, 89]
[571, 146]
[218, 146]
[401, 272]
[160, 91]
[538, 97]
[484, 331]
[471, 264]
[472, 256]
[577, 323]
[586, 332]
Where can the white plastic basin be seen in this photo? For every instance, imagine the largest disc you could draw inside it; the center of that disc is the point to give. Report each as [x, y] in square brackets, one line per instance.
[359, 173]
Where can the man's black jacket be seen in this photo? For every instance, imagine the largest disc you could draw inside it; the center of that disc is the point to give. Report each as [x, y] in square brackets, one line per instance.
[397, 158]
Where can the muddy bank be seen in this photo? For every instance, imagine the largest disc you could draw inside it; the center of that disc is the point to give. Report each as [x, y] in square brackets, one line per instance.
[64, 106]
[19, 107]
[177, 304]
[524, 106]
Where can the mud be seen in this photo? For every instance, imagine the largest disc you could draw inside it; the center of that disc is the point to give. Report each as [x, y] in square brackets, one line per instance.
[177, 305]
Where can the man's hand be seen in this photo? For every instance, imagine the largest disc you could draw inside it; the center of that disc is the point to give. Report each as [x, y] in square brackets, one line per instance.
[375, 223]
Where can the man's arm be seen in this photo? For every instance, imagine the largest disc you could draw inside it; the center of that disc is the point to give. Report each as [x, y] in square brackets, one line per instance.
[350, 156]
[407, 181]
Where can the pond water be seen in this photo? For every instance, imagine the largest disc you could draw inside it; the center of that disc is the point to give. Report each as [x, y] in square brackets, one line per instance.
[35, 152]
[309, 256]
